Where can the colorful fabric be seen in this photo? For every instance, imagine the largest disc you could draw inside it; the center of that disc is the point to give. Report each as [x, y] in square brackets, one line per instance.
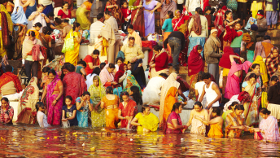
[119, 73]
[63, 15]
[111, 114]
[196, 41]
[26, 107]
[149, 17]
[225, 61]
[72, 56]
[197, 126]
[8, 77]
[263, 71]
[233, 121]
[116, 11]
[149, 122]
[215, 131]
[96, 95]
[195, 62]
[81, 15]
[196, 27]
[7, 27]
[82, 114]
[219, 20]
[167, 7]
[271, 64]
[270, 128]
[233, 82]
[173, 116]
[137, 16]
[130, 81]
[232, 4]
[54, 112]
[169, 101]
[18, 17]
[6, 115]
[130, 109]
[74, 89]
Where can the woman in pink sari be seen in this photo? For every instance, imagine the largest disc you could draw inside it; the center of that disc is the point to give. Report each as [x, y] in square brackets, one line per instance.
[106, 75]
[74, 83]
[54, 100]
[127, 110]
[233, 79]
[268, 128]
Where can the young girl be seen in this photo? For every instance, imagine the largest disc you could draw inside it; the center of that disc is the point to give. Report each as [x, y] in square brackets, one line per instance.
[135, 95]
[69, 112]
[230, 32]
[126, 15]
[167, 26]
[41, 116]
[84, 106]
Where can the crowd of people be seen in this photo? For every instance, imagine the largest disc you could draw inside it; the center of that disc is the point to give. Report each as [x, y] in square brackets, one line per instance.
[238, 91]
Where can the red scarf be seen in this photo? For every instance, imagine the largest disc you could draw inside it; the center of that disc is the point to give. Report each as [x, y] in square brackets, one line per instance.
[119, 73]
[5, 30]
[225, 61]
[195, 62]
[9, 76]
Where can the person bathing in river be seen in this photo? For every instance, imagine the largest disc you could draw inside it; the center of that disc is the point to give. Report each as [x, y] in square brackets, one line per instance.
[174, 122]
[69, 112]
[41, 116]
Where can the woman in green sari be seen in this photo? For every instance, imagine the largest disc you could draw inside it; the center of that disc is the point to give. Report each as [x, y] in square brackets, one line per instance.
[129, 82]
[97, 92]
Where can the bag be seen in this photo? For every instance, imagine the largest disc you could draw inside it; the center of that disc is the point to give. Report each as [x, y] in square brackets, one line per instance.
[232, 4]
[68, 42]
[65, 124]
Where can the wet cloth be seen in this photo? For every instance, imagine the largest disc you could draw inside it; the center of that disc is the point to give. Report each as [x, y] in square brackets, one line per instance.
[197, 126]
[173, 116]
[111, 114]
[215, 131]
[96, 95]
[27, 103]
[7, 114]
[233, 121]
[130, 109]
[169, 101]
[83, 114]
[149, 122]
[42, 119]
[270, 128]
[69, 113]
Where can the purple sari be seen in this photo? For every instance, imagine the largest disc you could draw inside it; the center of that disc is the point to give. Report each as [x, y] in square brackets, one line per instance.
[149, 18]
[54, 112]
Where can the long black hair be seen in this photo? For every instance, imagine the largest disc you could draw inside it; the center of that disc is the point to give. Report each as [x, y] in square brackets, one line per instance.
[176, 106]
[136, 95]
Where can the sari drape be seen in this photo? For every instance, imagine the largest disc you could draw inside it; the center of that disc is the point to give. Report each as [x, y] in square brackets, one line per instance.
[74, 85]
[130, 79]
[271, 64]
[72, 56]
[26, 107]
[173, 116]
[54, 112]
[7, 27]
[111, 114]
[149, 122]
[195, 62]
[233, 121]
[215, 131]
[105, 76]
[271, 130]
[251, 107]
[119, 73]
[116, 12]
[167, 7]
[8, 77]
[96, 95]
[263, 71]
[169, 101]
[129, 110]
[81, 15]
[137, 16]
[167, 84]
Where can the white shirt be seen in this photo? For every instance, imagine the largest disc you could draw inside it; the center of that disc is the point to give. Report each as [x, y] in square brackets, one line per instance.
[45, 2]
[193, 4]
[95, 29]
[204, 27]
[151, 94]
[199, 87]
[42, 119]
[211, 95]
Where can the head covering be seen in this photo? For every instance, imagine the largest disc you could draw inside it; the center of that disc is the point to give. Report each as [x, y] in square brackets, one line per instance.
[260, 12]
[225, 61]
[263, 71]
[195, 62]
[18, 17]
[130, 78]
[214, 30]
[119, 73]
[27, 103]
[196, 28]
[244, 97]
[167, 84]
[97, 93]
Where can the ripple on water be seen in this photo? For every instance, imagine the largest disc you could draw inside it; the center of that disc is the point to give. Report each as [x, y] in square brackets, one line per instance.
[30, 141]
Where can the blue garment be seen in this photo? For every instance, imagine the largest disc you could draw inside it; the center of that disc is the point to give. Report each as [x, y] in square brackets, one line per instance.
[120, 54]
[271, 17]
[48, 9]
[82, 116]
[117, 91]
[196, 41]
[30, 10]
[248, 25]
[167, 25]
[69, 113]
[18, 17]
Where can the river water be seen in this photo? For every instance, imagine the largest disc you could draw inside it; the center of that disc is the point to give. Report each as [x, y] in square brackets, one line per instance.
[32, 141]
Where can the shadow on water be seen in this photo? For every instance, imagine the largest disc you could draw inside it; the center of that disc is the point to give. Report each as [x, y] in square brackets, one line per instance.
[32, 141]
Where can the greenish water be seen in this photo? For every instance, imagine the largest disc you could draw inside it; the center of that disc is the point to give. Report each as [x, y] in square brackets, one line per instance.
[31, 141]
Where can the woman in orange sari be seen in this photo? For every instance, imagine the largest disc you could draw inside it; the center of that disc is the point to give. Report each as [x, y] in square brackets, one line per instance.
[111, 103]
[169, 101]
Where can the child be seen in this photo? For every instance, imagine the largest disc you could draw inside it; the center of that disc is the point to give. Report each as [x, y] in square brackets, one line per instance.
[236, 43]
[126, 15]
[135, 95]
[167, 25]
[41, 116]
[69, 112]
[84, 106]
[80, 68]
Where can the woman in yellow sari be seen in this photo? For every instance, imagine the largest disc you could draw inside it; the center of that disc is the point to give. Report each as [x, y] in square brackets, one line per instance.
[234, 124]
[97, 92]
[72, 56]
[81, 15]
[111, 103]
[6, 24]
[251, 108]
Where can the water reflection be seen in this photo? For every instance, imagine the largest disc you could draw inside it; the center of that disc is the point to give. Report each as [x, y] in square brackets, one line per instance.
[30, 141]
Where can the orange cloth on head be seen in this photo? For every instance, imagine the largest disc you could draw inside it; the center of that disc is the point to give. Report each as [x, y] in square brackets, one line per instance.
[215, 131]
[169, 101]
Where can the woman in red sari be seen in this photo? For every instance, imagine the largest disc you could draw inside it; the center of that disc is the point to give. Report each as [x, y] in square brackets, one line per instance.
[127, 110]
[116, 11]
[159, 62]
[137, 16]
[219, 21]
[119, 73]
[180, 22]
[73, 83]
